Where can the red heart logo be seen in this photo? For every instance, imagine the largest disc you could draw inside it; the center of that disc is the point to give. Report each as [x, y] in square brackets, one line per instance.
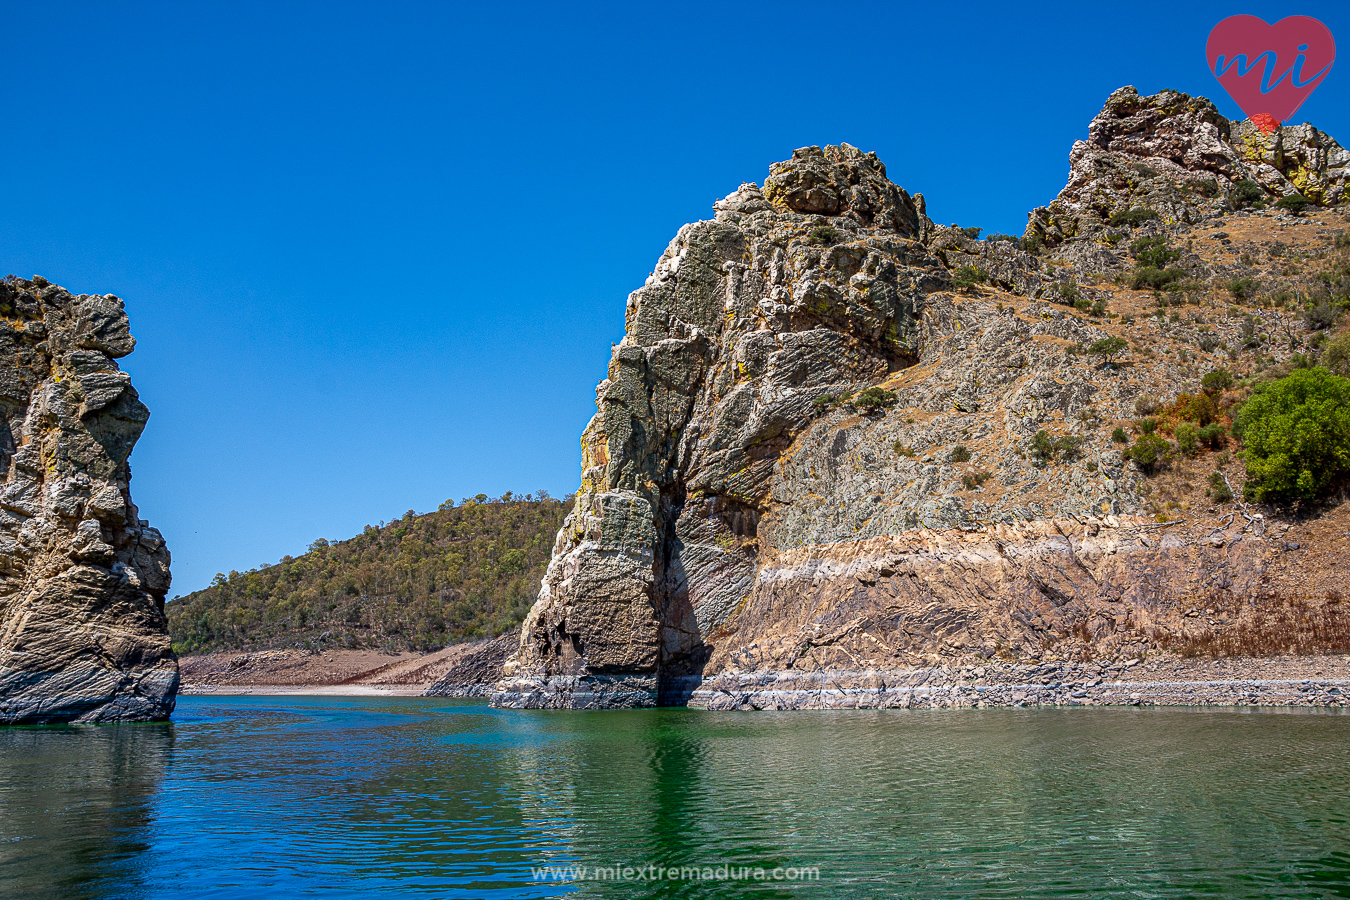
[1270, 69]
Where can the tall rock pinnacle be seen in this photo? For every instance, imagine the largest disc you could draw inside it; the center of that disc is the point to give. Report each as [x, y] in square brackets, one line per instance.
[83, 637]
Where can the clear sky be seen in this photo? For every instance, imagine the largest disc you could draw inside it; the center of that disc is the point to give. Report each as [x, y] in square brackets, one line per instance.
[375, 254]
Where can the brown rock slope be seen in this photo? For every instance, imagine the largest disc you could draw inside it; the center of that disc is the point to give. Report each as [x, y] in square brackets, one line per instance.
[837, 437]
[83, 636]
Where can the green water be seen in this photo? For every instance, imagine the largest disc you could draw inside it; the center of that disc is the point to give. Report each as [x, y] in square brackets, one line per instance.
[356, 797]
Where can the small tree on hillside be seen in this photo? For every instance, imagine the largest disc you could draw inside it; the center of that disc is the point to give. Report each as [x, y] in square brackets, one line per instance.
[1108, 348]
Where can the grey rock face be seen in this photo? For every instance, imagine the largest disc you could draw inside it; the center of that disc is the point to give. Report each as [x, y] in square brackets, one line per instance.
[1177, 155]
[83, 637]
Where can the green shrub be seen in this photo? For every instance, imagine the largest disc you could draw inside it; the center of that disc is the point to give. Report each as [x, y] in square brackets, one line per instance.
[1119, 436]
[1336, 355]
[1045, 448]
[1217, 382]
[1243, 288]
[1131, 217]
[1202, 408]
[1068, 446]
[824, 234]
[874, 399]
[1067, 292]
[1341, 241]
[826, 401]
[903, 450]
[1245, 193]
[1213, 436]
[972, 232]
[1295, 203]
[997, 236]
[966, 277]
[1146, 426]
[1150, 278]
[959, 454]
[1321, 315]
[1297, 436]
[1150, 452]
[1188, 441]
[1153, 252]
[974, 480]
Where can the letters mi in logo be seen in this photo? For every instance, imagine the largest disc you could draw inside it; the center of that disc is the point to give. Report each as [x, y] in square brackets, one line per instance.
[1270, 69]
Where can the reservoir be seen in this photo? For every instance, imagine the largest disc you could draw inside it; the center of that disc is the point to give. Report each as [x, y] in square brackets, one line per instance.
[346, 797]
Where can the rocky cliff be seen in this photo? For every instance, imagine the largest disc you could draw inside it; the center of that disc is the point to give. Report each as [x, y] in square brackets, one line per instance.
[836, 437]
[83, 637]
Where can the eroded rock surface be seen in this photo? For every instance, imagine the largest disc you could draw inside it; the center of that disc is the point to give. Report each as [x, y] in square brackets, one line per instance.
[736, 521]
[83, 637]
[813, 285]
[1180, 157]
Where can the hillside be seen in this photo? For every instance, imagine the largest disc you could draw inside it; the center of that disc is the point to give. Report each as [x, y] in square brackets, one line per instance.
[417, 583]
[840, 439]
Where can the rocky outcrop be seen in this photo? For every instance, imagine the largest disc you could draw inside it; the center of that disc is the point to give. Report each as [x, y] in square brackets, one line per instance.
[814, 285]
[83, 637]
[813, 455]
[476, 672]
[1177, 156]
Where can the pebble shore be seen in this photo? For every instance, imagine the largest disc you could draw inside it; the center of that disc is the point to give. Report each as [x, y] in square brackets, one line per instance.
[1283, 682]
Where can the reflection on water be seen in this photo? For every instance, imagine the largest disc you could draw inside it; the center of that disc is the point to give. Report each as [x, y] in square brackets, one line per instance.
[77, 808]
[349, 797]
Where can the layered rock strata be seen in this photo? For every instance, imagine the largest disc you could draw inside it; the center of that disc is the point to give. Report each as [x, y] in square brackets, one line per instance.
[814, 285]
[83, 637]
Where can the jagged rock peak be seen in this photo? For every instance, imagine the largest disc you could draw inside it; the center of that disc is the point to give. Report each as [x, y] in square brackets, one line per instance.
[1178, 156]
[841, 181]
[83, 637]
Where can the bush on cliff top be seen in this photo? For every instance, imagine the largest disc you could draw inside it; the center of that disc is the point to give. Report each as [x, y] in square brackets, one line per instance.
[1296, 433]
[966, 277]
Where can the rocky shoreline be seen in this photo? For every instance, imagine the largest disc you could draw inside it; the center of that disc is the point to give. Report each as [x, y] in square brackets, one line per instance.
[1276, 682]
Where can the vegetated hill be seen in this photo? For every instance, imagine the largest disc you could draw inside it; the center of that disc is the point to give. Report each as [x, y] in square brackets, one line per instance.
[417, 583]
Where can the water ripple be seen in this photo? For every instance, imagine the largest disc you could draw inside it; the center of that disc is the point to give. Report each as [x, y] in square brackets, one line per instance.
[363, 797]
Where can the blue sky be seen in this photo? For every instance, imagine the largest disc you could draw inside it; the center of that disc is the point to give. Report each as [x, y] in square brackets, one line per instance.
[375, 254]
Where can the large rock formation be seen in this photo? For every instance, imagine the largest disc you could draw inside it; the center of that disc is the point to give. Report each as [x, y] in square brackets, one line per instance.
[1179, 157]
[748, 505]
[813, 286]
[83, 637]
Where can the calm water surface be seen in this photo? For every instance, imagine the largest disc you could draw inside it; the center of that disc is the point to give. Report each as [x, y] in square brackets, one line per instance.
[360, 797]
